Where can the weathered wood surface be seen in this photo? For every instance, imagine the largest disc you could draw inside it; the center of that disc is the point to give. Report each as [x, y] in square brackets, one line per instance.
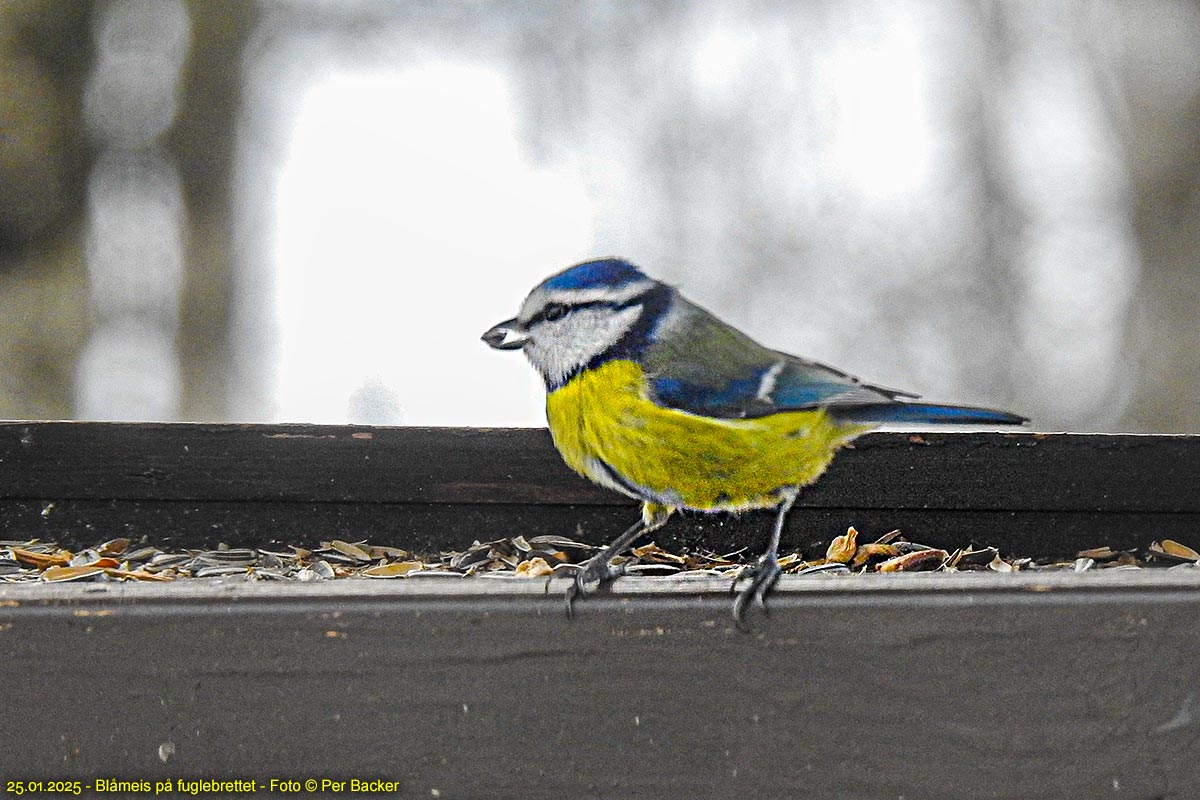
[430, 488]
[931, 687]
[970, 685]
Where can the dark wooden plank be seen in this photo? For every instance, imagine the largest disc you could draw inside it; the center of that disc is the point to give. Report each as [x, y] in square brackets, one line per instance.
[982, 471]
[1063, 692]
[429, 488]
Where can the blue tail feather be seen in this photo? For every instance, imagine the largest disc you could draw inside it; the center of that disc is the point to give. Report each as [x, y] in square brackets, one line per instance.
[927, 413]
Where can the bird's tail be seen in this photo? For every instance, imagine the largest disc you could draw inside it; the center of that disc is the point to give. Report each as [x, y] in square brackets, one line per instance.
[925, 413]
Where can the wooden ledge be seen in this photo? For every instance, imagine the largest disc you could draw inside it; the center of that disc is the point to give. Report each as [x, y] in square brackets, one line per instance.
[941, 687]
[938, 687]
[502, 588]
[190, 485]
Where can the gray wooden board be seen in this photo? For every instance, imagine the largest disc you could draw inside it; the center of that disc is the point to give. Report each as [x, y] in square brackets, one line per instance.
[939, 686]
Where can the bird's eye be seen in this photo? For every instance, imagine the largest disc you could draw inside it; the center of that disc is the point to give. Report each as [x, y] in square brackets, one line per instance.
[555, 311]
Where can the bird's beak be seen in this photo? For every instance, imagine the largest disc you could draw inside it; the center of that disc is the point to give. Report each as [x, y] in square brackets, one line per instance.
[508, 335]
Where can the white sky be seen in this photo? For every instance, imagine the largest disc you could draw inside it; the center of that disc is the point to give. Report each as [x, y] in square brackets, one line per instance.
[409, 223]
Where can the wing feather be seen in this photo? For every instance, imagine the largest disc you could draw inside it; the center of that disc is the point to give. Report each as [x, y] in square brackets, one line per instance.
[699, 364]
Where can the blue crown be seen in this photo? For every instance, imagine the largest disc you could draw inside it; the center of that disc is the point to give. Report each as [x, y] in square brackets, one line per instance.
[601, 273]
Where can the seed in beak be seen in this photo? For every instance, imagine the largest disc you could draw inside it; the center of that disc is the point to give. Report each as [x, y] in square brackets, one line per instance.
[508, 335]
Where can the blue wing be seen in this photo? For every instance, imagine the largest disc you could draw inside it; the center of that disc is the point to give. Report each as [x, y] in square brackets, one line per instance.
[782, 384]
[701, 365]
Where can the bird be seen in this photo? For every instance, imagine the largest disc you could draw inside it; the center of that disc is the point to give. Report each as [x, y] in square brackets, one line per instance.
[652, 396]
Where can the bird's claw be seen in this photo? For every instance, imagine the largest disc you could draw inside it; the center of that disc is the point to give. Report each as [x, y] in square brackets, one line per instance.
[762, 577]
[597, 571]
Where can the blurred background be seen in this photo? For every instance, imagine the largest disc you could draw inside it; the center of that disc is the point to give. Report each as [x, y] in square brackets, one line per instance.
[306, 210]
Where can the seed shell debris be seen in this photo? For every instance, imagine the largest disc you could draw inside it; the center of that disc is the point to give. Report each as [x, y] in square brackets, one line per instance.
[520, 556]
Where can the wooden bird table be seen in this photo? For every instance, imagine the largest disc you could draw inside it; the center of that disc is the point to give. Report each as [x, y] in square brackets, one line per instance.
[1034, 683]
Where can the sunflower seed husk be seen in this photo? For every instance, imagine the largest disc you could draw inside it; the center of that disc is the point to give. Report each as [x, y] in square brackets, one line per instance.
[998, 564]
[560, 542]
[216, 571]
[843, 547]
[316, 571]
[1098, 553]
[142, 554]
[353, 551]
[974, 556]
[831, 566]
[399, 569]
[169, 559]
[534, 568]
[113, 547]
[915, 561]
[874, 550]
[1170, 550]
[58, 574]
[889, 537]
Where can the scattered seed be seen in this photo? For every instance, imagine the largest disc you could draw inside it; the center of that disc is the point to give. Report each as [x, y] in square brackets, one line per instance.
[790, 560]
[998, 564]
[829, 566]
[969, 558]
[872, 551]
[520, 556]
[323, 569]
[1170, 550]
[378, 552]
[534, 568]
[561, 542]
[916, 561]
[889, 537]
[842, 548]
[1098, 553]
[396, 570]
[216, 572]
[58, 574]
[352, 551]
[137, 575]
[113, 547]
[42, 560]
[652, 552]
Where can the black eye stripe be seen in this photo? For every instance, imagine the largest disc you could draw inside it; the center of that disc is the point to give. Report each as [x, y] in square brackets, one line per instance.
[545, 315]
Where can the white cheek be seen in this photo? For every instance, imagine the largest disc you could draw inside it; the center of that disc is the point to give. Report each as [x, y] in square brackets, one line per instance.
[558, 348]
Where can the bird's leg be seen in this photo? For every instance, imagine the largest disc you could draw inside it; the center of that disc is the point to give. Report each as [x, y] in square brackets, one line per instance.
[599, 569]
[765, 573]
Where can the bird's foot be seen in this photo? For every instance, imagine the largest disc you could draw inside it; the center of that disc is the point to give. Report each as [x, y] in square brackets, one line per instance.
[596, 572]
[762, 576]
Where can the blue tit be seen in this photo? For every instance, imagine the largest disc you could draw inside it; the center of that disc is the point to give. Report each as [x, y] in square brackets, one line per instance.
[652, 396]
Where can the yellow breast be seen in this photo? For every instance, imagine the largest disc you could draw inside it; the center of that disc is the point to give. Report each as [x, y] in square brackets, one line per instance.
[607, 429]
